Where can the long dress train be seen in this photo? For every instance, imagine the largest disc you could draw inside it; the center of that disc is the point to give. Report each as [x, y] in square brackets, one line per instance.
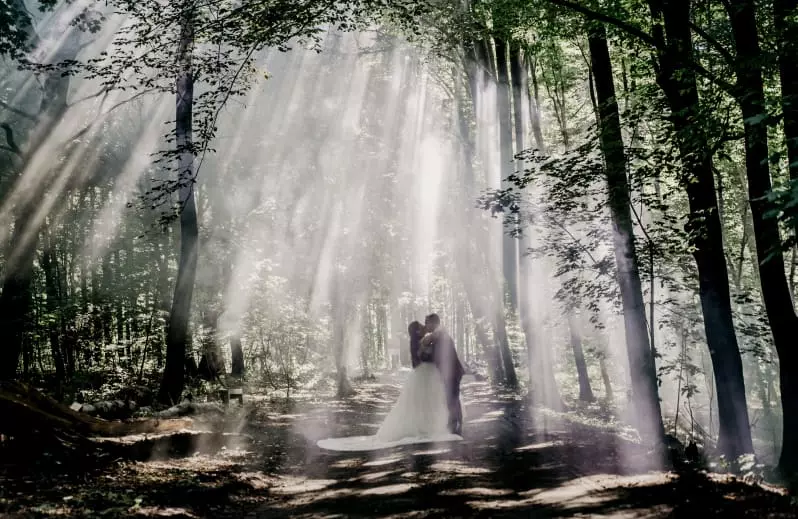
[420, 415]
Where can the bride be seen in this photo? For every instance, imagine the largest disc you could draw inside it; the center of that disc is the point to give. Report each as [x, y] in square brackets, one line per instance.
[419, 415]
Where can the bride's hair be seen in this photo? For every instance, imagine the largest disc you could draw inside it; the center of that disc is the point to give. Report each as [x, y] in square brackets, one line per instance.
[415, 330]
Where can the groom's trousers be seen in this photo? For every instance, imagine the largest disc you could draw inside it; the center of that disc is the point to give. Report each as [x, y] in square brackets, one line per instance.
[455, 408]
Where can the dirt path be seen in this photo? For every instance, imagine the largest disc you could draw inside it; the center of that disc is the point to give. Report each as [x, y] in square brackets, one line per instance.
[513, 463]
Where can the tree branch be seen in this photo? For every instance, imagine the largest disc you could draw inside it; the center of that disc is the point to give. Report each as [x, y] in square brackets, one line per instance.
[729, 88]
[17, 111]
[601, 17]
[723, 51]
[12, 145]
[90, 96]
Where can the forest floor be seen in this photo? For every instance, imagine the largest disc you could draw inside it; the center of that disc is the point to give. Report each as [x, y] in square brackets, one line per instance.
[513, 462]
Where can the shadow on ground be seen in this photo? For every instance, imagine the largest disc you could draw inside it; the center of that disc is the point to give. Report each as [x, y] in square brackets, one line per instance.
[514, 462]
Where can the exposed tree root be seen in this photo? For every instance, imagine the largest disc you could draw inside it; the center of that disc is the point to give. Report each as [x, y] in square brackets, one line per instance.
[38, 423]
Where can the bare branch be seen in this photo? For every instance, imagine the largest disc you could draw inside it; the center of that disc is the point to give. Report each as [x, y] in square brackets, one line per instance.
[19, 112]
[723, 51]
[105, 114]
[90, 96]
[12, 144]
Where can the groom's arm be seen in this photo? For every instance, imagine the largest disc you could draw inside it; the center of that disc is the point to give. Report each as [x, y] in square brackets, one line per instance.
[458, 366]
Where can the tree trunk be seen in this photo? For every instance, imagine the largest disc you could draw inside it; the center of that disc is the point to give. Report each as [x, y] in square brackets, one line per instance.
[48, 264]
[533, 103]
[15, 299]
[173, 377]
[605, 376]
[505, 116]
[787, 46]
[775, 288]
[343, 386]
[237, 355]
[641, 360]
[542, 386]
[678, 82]
[585, 391]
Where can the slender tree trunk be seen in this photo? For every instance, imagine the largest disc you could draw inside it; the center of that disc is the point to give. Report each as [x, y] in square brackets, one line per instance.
[585, 391]
[504, 113]
[775, 288]
[173, 377]
[48, 263]
[678, 82]
[543, 387]
[343, 386]
[605, 377]
[787, 46]
[534, 103]
[641, 361]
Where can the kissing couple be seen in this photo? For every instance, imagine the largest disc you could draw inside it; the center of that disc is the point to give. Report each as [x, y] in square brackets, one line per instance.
[429, 407]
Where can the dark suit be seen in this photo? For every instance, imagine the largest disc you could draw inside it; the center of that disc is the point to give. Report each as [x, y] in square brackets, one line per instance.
[447, 362]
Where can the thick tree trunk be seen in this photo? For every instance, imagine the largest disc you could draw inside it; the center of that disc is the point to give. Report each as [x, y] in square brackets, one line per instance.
[173, 377]
[641, 360]
[772, 274]
[679, 85]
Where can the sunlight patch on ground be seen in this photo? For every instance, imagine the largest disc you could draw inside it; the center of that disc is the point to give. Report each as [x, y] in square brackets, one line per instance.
[490, 416]
[387, 490]
[477, 492]
[540, 446]
[293, 485]
[373, 476]
[578, 491]
[383, 461]
[48, 510]
[347, 463]
[585, 492]
[194, 463]
[458, 467]
[276, 416]
[308, 498]
[153, 511]
[431, 452]
[257, 480]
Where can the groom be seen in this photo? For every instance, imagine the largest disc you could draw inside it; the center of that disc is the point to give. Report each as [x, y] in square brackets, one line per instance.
[447, 362]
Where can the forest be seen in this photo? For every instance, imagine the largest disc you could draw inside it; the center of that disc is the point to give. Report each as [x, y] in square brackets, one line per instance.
[219, 217]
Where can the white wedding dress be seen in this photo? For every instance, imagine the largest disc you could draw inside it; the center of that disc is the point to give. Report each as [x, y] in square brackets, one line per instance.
[420, 415]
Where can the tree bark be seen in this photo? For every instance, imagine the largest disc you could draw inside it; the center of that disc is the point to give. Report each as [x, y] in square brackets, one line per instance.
[641, 360]
[787, 47]
[585, 391]
[173, 378]
[504, 113]
[533, 103]
[677, 80]
[772, 274]
[237, 355]
[15, 299]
